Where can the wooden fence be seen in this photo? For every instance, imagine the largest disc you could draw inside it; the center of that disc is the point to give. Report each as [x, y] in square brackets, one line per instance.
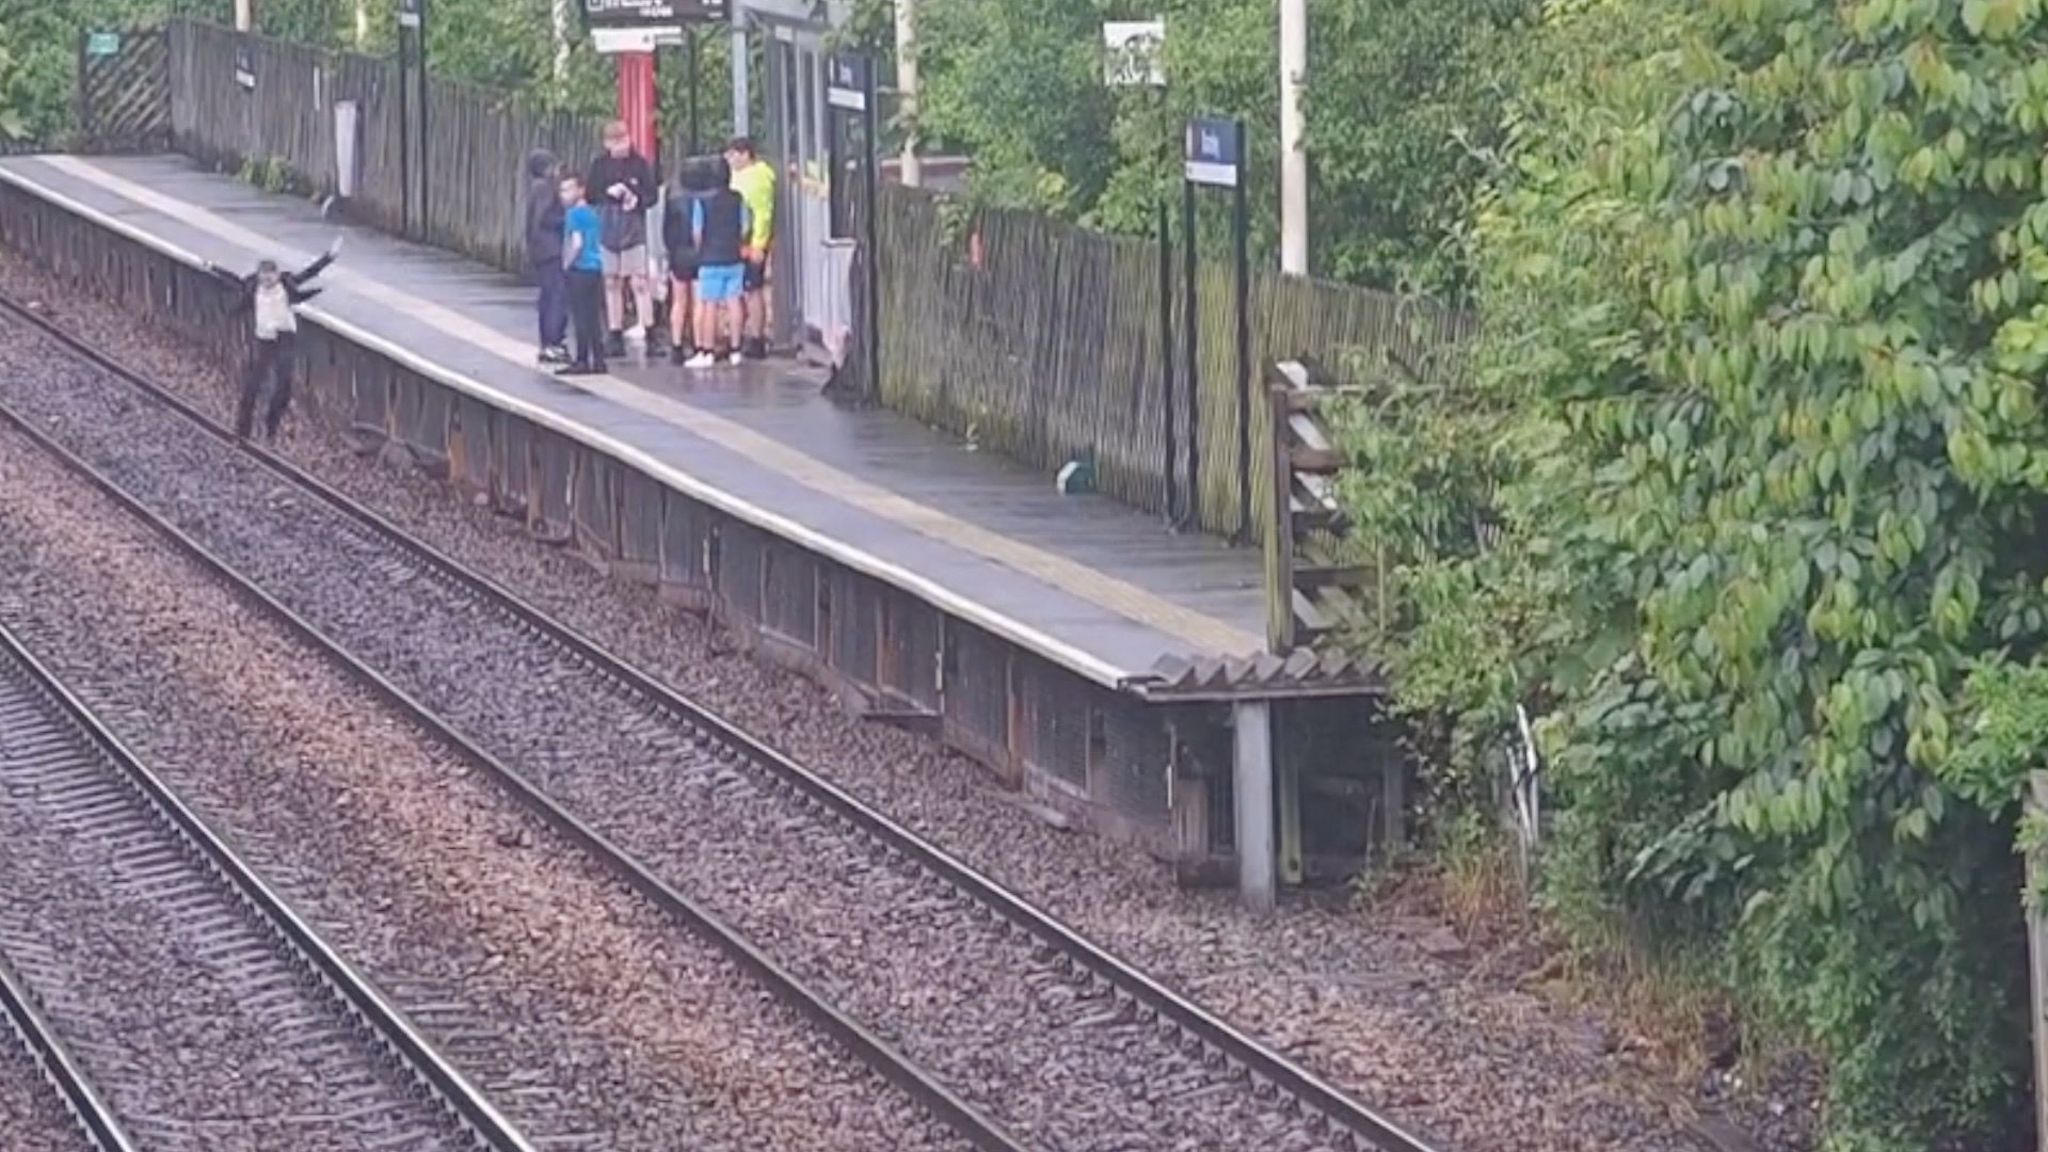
[1038, 339]
[124, 99]
[1042, 341]
[476, 149]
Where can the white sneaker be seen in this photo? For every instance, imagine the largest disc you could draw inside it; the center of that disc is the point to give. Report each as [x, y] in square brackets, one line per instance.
[701, 360]
[735, 359]
[637, 333]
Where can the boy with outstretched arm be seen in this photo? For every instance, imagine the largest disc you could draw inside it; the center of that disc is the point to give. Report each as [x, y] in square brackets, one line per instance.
[272, 296]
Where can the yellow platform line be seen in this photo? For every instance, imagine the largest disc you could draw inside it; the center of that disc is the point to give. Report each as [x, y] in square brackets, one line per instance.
[1196, 629]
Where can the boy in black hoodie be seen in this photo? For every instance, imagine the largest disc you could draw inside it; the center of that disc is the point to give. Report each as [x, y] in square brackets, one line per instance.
[272, 297]
[544, 255]
[622, 188]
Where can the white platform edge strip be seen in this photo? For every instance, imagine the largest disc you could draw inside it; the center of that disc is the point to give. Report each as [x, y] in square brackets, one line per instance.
[1007, 627]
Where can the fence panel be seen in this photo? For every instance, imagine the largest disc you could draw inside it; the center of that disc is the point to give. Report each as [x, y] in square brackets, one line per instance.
[124, 99]
[1041, 341]
[477, 144]
[476, 149]
[285, 119]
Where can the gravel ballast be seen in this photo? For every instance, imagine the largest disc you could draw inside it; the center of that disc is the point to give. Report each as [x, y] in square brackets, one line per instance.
[31, 1113]
[1382, 1006]
[593, 1021]
[190, 1014]
[1050, 1055]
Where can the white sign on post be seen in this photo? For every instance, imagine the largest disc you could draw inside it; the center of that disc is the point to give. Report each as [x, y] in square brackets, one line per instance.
[609, 41]
[1134, 53]
[644, 25]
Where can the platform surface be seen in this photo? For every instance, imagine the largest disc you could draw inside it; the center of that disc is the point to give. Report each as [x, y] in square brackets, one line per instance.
[1087, 582]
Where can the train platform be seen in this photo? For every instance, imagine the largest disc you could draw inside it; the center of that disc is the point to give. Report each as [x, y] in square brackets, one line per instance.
[1089, 584]
[1089, 656]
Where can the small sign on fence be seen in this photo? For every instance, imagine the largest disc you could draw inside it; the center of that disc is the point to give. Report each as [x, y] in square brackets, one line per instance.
[409, 13]
[846, 84]
[245, 68]
[103, 44]
[1213, 152]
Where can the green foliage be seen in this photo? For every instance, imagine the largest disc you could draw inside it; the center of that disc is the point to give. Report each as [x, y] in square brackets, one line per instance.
[1019, 87]
[2007, 739]
[1407, 101]
[271, 174]
[1403, 94]
[1754, 416]
[39, 58]
[2005, 745]
[507, 45]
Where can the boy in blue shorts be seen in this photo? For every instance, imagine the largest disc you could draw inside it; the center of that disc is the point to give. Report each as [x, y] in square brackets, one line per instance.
[583, 258]
[720, 224]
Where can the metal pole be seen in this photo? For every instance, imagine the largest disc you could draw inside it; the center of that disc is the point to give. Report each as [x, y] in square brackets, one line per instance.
[405, 141]
[426, 212]
[1252, 784]
[2037, 962]
[1166, 351]
[1191, 323]
[742, 100]
[871, 181]
[245, 19]
[696, 124]
[1241, 226]
[906, 89]
[1293, 152]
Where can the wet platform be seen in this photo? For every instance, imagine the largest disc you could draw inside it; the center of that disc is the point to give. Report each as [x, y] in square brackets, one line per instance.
[1088, 585]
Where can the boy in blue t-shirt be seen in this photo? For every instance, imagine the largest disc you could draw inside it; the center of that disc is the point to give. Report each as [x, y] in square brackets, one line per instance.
[583, 257]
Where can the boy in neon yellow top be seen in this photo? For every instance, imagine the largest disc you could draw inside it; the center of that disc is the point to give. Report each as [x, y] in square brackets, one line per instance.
[755, 182]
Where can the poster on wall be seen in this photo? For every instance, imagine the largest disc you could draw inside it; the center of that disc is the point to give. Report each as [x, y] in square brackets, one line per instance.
[245, 68]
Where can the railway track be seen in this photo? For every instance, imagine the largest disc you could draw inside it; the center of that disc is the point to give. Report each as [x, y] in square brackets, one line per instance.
[47, 1054]
[154, 976]
[1013, 1028]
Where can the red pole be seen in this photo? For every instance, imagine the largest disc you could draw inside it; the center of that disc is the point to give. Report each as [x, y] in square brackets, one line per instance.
[637, 99]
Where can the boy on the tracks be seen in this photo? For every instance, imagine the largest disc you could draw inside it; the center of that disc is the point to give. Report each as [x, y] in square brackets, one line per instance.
[272, 297]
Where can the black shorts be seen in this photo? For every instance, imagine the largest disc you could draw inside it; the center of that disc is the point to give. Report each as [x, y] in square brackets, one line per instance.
[756, 276]
[683, 271]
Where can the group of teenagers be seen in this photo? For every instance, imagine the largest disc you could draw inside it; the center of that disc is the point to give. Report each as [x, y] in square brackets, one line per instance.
[587, 238]
[587, 241]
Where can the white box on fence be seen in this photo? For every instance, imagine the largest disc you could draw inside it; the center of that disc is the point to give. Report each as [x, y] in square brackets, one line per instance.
[347, 138]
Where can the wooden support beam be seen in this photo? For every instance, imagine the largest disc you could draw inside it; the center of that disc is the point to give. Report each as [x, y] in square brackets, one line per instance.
[1316, 577]
[1315, 460]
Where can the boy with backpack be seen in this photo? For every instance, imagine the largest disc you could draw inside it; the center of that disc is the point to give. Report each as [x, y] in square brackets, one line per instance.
[721, 226]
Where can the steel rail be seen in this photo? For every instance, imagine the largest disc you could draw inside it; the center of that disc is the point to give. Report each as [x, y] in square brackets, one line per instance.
[92, 1113]
[1380, 1132]
[966, 1119]
[367, 1003]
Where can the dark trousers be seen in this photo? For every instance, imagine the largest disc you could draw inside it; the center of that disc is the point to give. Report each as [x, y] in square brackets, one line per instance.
[553, 304]
[272, 364]
[586, 309]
